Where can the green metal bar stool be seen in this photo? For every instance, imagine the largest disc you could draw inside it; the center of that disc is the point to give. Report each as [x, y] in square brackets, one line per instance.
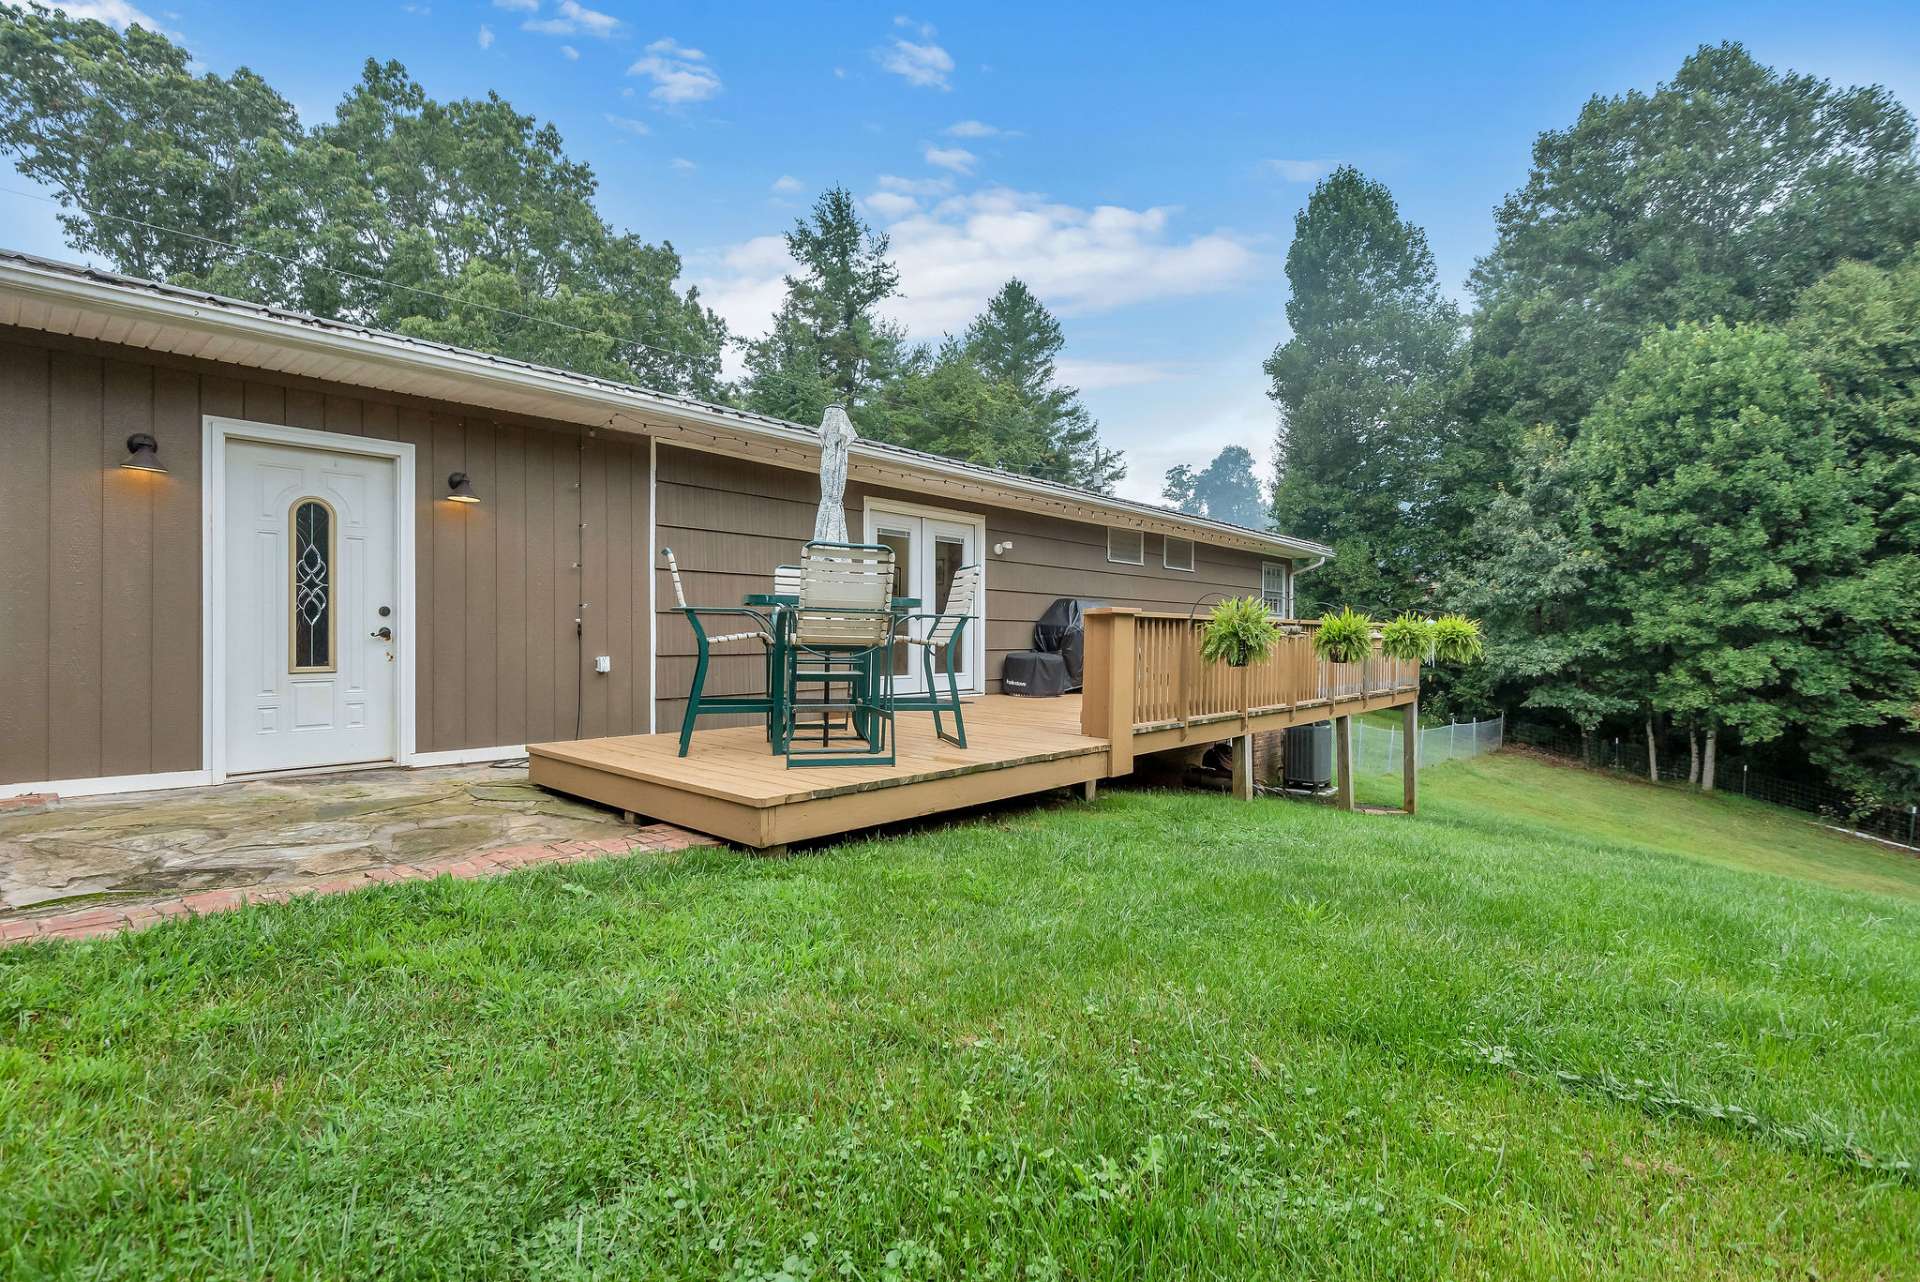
[770, 705]
[947, 633]
[840, 636]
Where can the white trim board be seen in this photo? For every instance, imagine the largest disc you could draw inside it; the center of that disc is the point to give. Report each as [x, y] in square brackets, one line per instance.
[215, 433]
[466, 756]
[101, 785]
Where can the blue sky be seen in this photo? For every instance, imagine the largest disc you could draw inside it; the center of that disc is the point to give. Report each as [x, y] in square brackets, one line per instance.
[1139, 166]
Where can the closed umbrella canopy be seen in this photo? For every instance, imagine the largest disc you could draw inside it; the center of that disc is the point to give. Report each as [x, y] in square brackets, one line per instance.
[836, 438]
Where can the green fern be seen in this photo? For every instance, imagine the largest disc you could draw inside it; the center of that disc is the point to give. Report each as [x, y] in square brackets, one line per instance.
[1239, 631]
[1457, 639]
[1346, 637]
[1407, 638]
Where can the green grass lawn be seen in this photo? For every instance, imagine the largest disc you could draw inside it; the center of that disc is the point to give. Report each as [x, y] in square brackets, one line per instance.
[1559, 1025]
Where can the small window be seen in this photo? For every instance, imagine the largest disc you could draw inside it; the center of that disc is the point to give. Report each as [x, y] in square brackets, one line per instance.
[1275, 588]
[310, 597]
[1127, 547]
[1178, 554]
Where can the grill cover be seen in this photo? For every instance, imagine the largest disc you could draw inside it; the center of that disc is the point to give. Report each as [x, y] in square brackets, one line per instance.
[1062, 630]
[1034, 675]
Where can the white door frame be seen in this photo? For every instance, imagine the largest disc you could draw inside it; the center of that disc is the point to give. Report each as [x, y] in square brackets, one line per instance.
[977, 635]
[215, 433]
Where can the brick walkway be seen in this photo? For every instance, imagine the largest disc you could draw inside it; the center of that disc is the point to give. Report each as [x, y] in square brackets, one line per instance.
[88, 923]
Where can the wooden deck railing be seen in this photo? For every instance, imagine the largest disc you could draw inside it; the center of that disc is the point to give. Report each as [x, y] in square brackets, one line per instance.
[1144, 673]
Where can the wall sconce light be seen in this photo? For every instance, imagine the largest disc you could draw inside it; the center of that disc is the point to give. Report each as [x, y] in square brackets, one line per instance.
[460, 488]
[143, 454]
[1001, 549]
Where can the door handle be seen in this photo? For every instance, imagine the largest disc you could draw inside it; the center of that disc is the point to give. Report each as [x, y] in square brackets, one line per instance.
[384, 634]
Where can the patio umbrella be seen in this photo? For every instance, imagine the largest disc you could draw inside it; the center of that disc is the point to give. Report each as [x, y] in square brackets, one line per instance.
[836, 438]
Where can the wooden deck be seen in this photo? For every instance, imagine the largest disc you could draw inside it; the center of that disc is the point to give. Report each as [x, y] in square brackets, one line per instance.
[1147, 690]
[730, 786]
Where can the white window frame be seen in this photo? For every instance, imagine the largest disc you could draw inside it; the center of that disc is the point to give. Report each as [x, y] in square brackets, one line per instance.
[1140, 558]
[1285, 608]
[1166, 553]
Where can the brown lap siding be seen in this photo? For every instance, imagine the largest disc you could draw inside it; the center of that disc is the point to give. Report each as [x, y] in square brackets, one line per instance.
[730, 521]
[100, 568]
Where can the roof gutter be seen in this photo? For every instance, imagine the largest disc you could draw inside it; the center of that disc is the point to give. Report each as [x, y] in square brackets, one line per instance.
[58, 285]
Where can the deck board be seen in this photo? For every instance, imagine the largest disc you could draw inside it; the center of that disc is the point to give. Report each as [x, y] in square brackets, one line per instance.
[1028, 745]
[731, 786]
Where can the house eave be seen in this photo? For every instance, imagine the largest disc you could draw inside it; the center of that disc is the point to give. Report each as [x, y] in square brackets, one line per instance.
[64, 299]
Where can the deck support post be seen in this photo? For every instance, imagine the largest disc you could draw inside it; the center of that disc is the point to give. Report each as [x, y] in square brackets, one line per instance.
[1243, 768]
[1343, 762]
[1106, 691]
[1090, 790]
[1410, 759]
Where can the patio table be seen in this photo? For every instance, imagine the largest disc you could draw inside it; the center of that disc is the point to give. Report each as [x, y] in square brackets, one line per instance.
[779, 603]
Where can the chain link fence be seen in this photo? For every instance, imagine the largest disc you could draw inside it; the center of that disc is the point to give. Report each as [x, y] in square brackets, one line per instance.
[1376, 749]
[1896, 825]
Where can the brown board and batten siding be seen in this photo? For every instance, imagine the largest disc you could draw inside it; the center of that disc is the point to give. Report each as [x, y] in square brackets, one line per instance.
[730, 521]
[100, 645]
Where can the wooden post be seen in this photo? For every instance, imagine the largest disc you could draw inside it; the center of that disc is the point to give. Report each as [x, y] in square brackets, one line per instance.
[1106, 691]
[1410, 759]
[1090, 790]
[1343, 763]
[1243, 768]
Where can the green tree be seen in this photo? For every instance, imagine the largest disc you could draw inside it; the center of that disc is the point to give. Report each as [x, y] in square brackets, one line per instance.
[1361, 388]
[1016, 341]
[1736, 536]
[828, 343]
[1225, 489]
[465, 222]
[1526, 570]
[148, 157]
[1722, 194]
[1859, 328]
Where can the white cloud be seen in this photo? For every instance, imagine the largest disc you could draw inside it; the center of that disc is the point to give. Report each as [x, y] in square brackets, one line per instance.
[679, 74]
[683, 164]
[914, 186]
[788, 185]
[973, 129]
[517, 6]
[891, 205]
[486, 36]
[954, 252]
[117, 14]
[570, 53]
[925, 65]
[628, 124]
[575, 19]
[1096, 376]
[1296, 171]
[958, 159]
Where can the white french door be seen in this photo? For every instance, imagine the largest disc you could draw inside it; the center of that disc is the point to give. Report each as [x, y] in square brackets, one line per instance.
[929, 545]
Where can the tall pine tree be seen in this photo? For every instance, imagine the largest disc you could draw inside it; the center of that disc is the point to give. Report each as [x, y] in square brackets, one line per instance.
[1361, 391]
[828, 342]
[1015, 341]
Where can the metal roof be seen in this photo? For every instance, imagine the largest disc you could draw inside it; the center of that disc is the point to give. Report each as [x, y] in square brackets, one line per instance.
[87, 302]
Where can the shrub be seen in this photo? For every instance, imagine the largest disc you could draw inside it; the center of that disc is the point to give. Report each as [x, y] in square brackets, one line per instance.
[1346, 637]
[1407, 638]
[1239, 631]
[1457, 639]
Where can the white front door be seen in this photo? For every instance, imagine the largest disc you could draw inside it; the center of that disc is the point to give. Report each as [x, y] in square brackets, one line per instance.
[312, 580]
[927, 549]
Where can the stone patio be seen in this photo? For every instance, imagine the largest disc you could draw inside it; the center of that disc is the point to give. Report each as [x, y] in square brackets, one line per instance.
[111, 856]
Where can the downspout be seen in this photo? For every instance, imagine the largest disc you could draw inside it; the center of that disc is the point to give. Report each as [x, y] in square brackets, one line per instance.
[1299, 570]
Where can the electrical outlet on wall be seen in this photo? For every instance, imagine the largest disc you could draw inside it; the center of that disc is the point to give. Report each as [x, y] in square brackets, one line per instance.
[603, 663]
